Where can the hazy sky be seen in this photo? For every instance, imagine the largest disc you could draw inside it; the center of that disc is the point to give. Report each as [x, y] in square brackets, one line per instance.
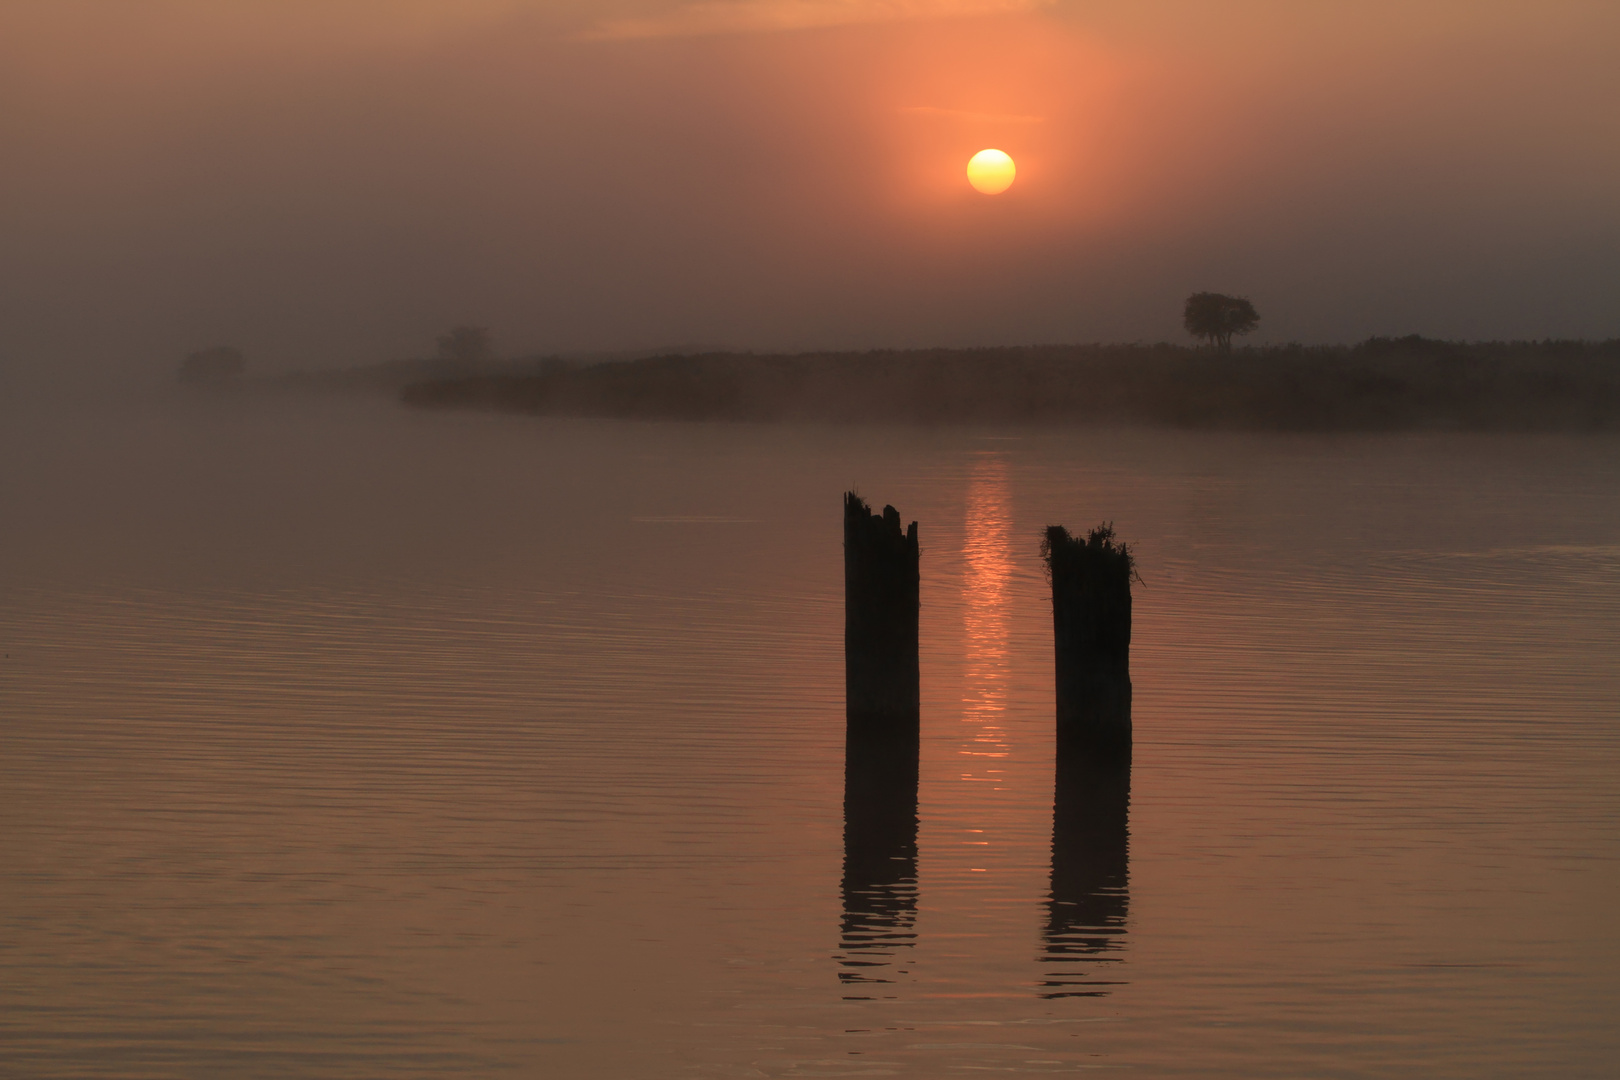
[335, 181]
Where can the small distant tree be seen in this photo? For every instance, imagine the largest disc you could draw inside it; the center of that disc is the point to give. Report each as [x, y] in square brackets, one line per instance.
[467, 347]
[1215, 318]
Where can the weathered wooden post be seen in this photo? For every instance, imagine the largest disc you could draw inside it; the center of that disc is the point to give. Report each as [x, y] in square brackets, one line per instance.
[1091, 623]
[882, 696]
[882, 700]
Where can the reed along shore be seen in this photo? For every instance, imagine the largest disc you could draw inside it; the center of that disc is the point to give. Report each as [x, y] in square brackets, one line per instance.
[1379, 385]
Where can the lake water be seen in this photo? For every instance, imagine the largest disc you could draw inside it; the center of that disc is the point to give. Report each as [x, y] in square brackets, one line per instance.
[342, 741]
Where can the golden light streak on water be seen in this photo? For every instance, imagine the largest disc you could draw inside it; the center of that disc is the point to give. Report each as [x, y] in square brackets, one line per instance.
[987, 557]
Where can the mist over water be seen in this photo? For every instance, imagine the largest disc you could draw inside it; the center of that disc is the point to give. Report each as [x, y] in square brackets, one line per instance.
[343, 740]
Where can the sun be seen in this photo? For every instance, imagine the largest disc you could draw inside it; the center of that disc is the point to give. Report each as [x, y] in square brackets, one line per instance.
[991, 172]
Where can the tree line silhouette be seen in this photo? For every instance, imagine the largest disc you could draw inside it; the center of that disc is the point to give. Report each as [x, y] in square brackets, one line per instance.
[1380, 384]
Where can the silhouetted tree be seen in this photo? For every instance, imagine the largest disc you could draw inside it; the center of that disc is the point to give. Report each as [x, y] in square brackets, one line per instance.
[466, 347]
[1215, 318]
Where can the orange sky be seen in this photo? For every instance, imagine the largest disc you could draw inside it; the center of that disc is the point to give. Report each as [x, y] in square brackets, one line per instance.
[337, 182]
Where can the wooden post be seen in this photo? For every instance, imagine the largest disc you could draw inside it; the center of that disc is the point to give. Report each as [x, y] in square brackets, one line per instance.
[1091, 623]
[882, 696]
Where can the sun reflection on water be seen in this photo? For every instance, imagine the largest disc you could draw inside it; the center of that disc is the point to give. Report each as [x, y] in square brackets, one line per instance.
[986, 579]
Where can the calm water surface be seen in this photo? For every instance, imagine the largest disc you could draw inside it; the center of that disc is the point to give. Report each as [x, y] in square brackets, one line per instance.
[339, 741]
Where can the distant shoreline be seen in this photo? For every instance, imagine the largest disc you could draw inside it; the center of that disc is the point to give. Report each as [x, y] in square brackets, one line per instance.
[1380, 385]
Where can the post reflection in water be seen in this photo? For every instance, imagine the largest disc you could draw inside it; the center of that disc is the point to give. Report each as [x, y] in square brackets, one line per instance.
[1085, 914]
[880, 860]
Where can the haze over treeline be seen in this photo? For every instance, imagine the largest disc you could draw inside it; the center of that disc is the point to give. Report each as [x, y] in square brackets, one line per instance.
[1382, 384]
[331, 184]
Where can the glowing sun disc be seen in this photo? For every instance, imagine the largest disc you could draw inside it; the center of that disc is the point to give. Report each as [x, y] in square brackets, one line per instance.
[991, 172]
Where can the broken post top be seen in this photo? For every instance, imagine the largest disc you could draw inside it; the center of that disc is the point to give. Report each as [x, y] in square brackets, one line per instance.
[878, 531]
[1098, 554]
